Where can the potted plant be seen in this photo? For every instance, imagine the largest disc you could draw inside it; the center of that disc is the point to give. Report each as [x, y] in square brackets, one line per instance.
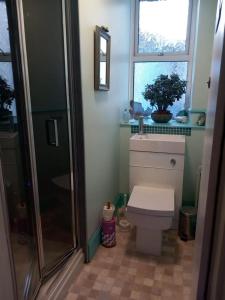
[163, 93]
[7, 96]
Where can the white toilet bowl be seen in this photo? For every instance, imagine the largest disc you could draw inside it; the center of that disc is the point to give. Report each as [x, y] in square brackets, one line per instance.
[151, 210]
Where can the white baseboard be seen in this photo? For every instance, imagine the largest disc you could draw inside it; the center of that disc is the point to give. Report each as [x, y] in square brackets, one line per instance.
[57, 287]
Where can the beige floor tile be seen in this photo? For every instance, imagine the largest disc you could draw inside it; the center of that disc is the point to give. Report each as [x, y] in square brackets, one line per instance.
[72, 296]
[121, 273]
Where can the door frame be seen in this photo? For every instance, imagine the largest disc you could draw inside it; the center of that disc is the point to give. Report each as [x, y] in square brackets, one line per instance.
[77, 123]
[216, 287]
[211, 165]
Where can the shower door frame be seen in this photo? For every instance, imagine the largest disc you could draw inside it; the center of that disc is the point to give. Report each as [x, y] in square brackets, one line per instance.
[71, 26]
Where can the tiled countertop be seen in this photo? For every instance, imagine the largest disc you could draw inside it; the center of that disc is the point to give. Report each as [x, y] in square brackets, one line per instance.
[170, 124]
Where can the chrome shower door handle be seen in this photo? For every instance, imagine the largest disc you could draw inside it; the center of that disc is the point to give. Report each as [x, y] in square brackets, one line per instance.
[52, 132]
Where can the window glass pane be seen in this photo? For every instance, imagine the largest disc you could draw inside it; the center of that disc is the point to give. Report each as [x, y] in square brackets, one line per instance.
[4, 33]
[162, 26]
[6, 73]
[147, 72]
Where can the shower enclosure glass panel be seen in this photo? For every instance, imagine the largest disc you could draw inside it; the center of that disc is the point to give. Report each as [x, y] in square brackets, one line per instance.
[18, 199]
[45, 36]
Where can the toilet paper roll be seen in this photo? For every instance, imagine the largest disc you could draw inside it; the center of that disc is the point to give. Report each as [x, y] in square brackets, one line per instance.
[108, 212]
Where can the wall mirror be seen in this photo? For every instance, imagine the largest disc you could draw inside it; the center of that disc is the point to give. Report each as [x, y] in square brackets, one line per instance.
[102, 59]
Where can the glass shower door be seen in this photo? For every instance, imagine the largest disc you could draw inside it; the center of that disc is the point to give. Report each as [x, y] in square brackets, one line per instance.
[46, 53]
[16, 177]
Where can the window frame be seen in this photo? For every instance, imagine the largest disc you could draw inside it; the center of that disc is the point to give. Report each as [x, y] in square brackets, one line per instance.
[186, 56]
[5, 57]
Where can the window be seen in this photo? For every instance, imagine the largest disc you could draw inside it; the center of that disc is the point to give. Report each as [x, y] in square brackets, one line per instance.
[4, 35]
[162, 45]
[5, 56]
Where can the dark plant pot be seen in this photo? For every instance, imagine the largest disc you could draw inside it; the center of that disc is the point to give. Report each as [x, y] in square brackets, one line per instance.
[161, 116]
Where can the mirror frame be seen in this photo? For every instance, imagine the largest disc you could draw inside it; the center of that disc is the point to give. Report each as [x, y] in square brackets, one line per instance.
[100, 32]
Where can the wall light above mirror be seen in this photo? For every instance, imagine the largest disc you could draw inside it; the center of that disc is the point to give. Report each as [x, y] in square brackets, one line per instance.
[102, 43]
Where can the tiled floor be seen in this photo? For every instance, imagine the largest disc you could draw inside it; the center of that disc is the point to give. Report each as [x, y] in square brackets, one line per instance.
[122, 273]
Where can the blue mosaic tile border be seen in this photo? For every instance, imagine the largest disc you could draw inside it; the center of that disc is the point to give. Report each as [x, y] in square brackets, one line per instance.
[163, 130]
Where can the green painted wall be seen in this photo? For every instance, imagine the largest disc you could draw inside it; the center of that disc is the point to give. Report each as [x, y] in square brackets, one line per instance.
[203, 52]
[102, 109]
[193, 159]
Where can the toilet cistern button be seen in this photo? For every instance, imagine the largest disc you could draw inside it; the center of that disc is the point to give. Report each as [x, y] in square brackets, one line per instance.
[173, 162]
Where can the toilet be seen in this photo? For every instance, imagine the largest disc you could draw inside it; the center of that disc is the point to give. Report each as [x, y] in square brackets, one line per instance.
[156, 178]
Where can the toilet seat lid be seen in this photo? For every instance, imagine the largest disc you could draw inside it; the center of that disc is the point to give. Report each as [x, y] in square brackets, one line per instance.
[152, 201]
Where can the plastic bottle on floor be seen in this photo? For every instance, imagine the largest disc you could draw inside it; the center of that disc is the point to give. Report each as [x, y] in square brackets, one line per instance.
[122, 222]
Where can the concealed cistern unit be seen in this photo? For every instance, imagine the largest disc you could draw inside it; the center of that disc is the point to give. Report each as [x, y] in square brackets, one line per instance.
[156, 179]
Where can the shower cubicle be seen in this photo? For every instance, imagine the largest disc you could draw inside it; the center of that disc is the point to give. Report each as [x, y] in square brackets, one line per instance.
[41, 139]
